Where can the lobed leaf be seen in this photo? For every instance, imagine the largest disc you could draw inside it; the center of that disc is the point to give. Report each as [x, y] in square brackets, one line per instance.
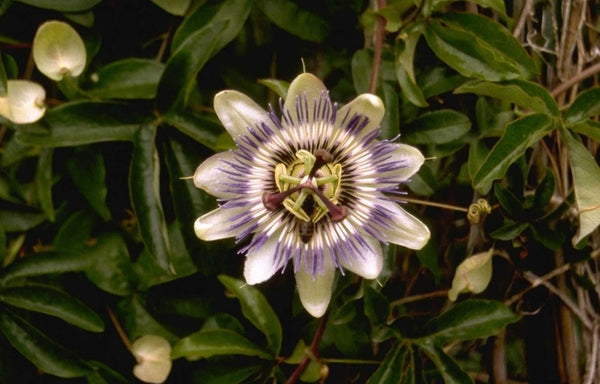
[525, 94]
[43, 263]
[132, 78]
[43, 179]
[519, 135]
[83, 122]
[446, 366]
[398, 366]
[586, 104]
[144, 183]
[468, 320]
[204, 344]
[293, 19]
[38, 348]
[109, 267]
[476, 46]
[62, 5]
[437, 127]
[89, 173]
[53, 302]
[257, 310]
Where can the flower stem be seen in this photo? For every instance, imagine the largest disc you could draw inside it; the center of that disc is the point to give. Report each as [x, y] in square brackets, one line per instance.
[314, 349]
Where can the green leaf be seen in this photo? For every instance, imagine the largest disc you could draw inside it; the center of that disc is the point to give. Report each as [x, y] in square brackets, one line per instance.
[295, 20]
[75, 231]
[586, 104]
[589, 128]
[406, 45]
[437, 127]
[525, 94]
[3, 77]
[206, 344]
[43, 178]
[377, 306]
[137, 321]
[397, 367]
[44, 353]
[361, 69]
[174, 7]
[127, 79]
[476, 46]
[232, 12]
[280, 87]
[519, 135]
[509, 230]
[257, 310]
[83, 122]
[478, 151]
[232, 373]
[88, 173]
[197, 40]
[468, 320]
[43, 263]
[62, 5]
[446, 366]
[202, 129]
[391, 119]
[144, 182]
[109, 267]
[586, 184]
[180, 73]
[53, 302]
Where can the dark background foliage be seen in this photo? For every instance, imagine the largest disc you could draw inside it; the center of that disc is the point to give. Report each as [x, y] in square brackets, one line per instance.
[96, 223]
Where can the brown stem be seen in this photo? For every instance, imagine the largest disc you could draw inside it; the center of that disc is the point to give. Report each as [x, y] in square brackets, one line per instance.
[378, 47]
[314, 349]
[588, 72]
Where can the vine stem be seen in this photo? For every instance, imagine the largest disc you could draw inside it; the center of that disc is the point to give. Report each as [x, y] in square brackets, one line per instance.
[377, 47]
[432, 204]
[588, 72]
[314, 352]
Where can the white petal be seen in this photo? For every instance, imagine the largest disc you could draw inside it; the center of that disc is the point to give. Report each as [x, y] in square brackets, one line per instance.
[369, 263]
[209, 175]
[304, 85]
[411, 159]
[260, 265]
[237, 112]
[365, 104]
[217, 224]
[315, 293]
[408, 231]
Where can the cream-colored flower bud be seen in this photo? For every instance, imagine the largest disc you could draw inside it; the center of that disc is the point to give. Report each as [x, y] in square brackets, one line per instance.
[24, 101]
[472, 275]
[58, 50]
[153, 354]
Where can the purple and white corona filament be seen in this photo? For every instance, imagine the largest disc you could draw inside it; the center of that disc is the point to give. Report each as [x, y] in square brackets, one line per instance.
[309, 187]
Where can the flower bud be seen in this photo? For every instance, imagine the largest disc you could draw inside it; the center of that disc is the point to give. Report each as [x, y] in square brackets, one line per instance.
[24, 101]
[153, 354]
[58, 50]
[472, 275]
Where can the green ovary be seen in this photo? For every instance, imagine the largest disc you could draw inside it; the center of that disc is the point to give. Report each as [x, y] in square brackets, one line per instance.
[306, 204]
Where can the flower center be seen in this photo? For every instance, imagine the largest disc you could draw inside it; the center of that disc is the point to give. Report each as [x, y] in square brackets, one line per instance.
[308, 188]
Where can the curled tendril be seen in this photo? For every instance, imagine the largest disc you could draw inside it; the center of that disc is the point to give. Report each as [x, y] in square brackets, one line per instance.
[476, 209]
